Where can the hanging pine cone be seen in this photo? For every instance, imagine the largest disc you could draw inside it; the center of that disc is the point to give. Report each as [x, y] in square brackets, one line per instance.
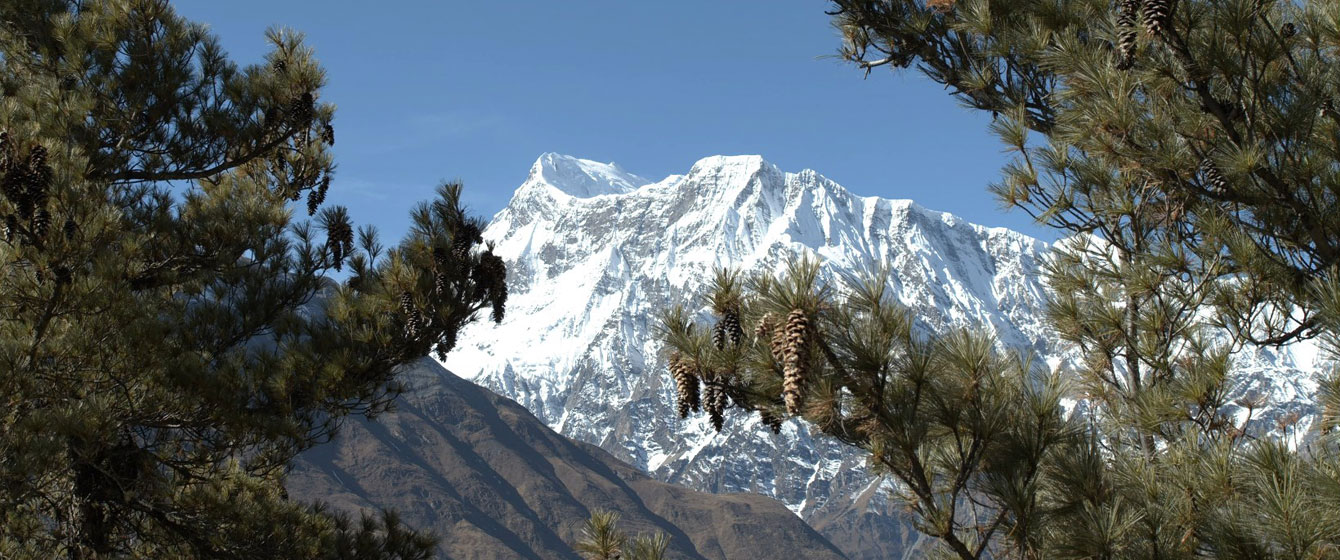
[25, 183]
[446, 344]
[38, 176]
[795, 360]
[499, 303]
[1157, 15]
[414, 326]
[440, 281]
[41, 223]
[1288, 30]
[340, 239]
[763, 330]
[460, 249]
[686, 385]
[714, 401]
[70, 229]
[14, 183]
[440, 284]
[301, 109]
[767, 330]
[463, 239]
[441, 258]
[1213, 177]
[328, 134]
[730, 325]
[719, 335]
[778, 344]
[11, 227]
[317, 195]
[772, 421]
[1126, 33]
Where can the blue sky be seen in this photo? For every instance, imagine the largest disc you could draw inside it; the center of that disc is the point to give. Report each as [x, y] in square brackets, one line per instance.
[477, 90]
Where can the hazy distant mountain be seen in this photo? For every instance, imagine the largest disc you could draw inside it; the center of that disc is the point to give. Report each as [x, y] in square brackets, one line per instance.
[495, 483]
[593, 251]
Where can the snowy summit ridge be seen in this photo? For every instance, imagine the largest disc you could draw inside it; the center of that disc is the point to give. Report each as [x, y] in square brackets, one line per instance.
[580, 178]
[593, 252]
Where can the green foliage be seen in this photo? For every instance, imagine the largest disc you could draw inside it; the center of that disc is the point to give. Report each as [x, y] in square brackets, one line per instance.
[1221, 133]
[964, 430]
[1190, 149]
[170, 339]
[602, 540]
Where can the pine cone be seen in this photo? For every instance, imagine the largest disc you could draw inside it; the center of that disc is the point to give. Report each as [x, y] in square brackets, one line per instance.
[414, 326]
[686, 385]
[463, 240]
[499, 303]
[340, 239]
[719, 335]
[328, 134]
[38, 176]
[440, 284]
[730, 325]
[767, 330]
[70, 229]
[41, 223]
[446, 344]
[317, 195]
[714, 401]
[1213, 177]
[460, 249]
[764, 328]
[1126, 33]
[13, 184]
[11, 228]
[6, 151]
[772, 421]
[1157, 14]
[301, 110]
[1288, 30]
[795, 360]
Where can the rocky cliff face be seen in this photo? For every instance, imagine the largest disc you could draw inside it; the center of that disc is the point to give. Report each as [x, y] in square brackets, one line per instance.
[494, 483]
[594, 251]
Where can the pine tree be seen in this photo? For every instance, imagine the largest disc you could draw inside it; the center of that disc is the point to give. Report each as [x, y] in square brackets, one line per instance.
[602, 540]
[959, 427]
[1199, 178]
[171, 349]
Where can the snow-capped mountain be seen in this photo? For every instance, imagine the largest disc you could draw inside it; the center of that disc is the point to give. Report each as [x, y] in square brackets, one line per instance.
[593, 252]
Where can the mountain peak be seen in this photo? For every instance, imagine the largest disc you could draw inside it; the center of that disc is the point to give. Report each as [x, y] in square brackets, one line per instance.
[732, 166]
[582, 178]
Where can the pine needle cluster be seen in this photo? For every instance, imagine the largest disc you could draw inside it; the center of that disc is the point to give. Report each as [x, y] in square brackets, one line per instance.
[601, 539]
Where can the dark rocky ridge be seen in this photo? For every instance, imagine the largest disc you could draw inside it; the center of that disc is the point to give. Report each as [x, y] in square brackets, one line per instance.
[493, 482]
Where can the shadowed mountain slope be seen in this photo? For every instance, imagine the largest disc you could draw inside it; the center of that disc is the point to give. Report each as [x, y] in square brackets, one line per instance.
[492, 481]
